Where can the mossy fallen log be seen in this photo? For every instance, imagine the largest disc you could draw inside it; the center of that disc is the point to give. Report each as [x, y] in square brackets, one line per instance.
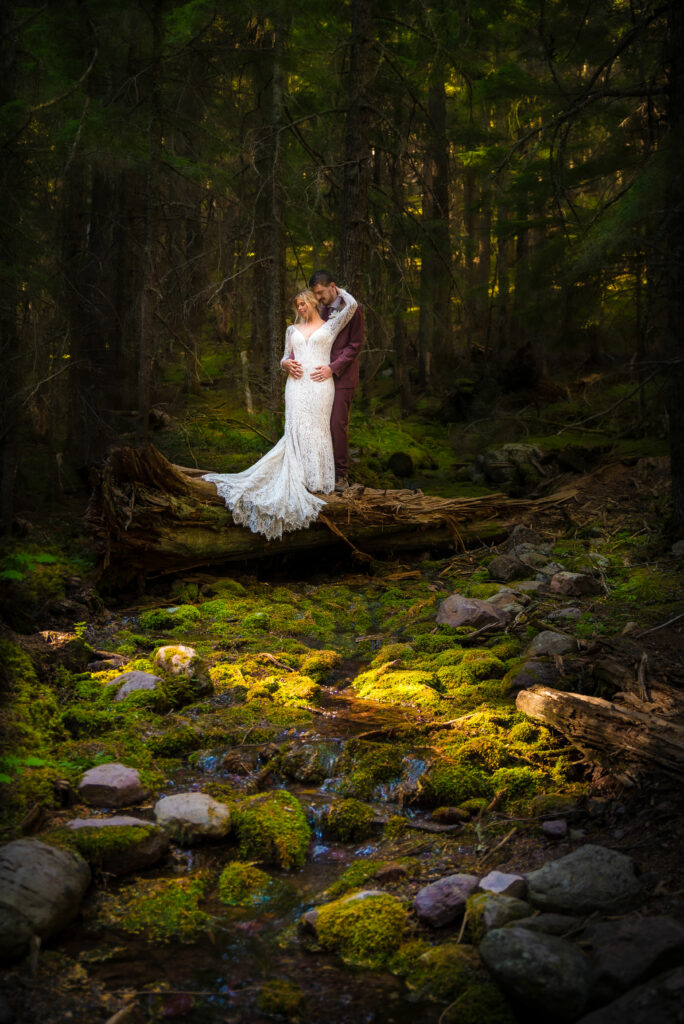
[150, 516]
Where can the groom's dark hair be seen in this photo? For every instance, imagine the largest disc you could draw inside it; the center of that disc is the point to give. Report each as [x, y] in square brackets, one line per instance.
[323, 277]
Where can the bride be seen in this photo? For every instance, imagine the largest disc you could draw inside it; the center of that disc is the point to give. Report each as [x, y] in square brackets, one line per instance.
[273, 496]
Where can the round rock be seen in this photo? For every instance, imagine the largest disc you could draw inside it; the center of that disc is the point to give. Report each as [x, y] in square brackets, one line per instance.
[541, 972]
[592, 878]
[130, 682]
[41, 884]
[444, 901]
[550, 642]
[122, 857]
[457, 611]
[180, 660]
[188, 817]
[112, 785]
[574, 584]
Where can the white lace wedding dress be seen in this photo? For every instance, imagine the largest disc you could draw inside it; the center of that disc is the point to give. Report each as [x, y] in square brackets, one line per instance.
[273, 496]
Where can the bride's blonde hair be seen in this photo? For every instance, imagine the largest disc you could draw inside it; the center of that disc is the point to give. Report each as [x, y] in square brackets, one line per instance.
[310, 300]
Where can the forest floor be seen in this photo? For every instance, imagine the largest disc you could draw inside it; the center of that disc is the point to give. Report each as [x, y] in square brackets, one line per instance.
[332, 685]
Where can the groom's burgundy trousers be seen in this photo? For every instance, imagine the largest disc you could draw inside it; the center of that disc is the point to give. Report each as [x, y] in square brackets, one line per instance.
[344, 363]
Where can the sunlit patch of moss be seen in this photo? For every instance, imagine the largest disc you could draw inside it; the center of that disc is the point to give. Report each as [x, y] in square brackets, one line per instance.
[293, 688]
[481, 1003]
[228, 588]
[484, 752]
[244, 885]
[349, 820]
[320, 664]
[393, 652]
[280, 998]
[475, 666]
[272, 828]
[398, 687]
[182, 616]
[451, 785]
[475, 805]
[444, 971]
[451, 656]
[228, 679]
[440, 638]
[160, 910]
[98, 845]
[365, 931]
[483, 591]
[365, 765]
[404, 960]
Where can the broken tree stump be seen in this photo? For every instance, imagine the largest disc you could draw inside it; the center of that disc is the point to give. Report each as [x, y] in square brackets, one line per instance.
[150, 516]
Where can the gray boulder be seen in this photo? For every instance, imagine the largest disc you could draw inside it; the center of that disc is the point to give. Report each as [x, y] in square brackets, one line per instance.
[188, 817]
[548, 642]
[503, 884]
[41, 889]
[655, 1002]
[550, 924]
[590, 879]
[457, 611]
[118, 850]
[488, 910]
[443, 902]
[540, 972]
[112, 785]
[626, 952]
[574, 584]
[534, 673]
[504, 568]
[131, 682]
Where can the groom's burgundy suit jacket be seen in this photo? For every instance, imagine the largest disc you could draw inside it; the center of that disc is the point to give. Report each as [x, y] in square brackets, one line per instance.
[344, 354]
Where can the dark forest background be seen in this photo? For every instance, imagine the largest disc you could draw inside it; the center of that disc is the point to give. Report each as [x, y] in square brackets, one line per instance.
[501, 186]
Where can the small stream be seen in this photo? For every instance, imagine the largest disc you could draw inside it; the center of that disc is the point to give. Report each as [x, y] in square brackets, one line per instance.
[218, 978]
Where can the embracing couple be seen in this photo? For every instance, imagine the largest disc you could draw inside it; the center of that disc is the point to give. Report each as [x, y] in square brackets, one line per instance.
[280, 491]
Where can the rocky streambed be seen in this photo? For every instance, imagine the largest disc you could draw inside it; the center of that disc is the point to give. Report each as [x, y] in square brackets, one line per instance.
[319, 802]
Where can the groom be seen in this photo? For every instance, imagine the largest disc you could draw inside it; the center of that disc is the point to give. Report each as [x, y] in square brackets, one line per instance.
[343, 367]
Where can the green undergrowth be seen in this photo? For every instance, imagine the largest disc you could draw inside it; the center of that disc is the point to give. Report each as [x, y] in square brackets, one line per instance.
[159, 910]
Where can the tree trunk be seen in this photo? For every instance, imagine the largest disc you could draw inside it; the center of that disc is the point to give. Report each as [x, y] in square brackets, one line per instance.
[357, 150]
[675, 264]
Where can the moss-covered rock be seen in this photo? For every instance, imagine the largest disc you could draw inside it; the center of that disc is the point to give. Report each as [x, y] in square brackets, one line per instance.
[487, 910]
[244, 885]
[483, 751]
[481, 1003]
[272, 828]
[444, 972]
[366, 765]
[181, 617]
[117, 846]
[452, 785]
[353, 877]
[398, 687]
[160, 910]
[320, 664]
[365, 929]
[349, 820]
[292, 688]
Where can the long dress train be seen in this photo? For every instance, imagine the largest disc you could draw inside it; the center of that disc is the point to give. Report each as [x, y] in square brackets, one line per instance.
[273, 496]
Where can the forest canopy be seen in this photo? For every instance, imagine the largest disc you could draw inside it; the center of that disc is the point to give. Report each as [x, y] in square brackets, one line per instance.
[500, 187]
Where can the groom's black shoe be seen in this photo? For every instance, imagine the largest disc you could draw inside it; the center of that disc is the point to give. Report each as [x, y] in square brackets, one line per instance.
[341, 484]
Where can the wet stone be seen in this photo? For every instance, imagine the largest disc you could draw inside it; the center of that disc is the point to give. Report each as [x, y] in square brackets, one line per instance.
[592, 878]
[549, 642]
[542, 973]
[443, 902]
[550, 924]
[112, 785]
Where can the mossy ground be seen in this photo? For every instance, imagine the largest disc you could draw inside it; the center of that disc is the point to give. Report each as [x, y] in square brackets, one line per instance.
[160, 911]
[365, 932]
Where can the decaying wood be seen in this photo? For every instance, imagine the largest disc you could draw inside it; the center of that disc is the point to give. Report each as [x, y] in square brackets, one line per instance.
[607, 730]
[148, 515]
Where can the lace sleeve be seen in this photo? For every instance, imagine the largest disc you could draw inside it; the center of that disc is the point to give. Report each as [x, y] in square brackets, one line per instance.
[341, 319]
[288, 343]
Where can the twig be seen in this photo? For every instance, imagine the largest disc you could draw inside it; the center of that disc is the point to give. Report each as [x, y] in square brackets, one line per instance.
[500, 844]
[641, 676]
[124, 1012]
[661, 626]
[280, 664]
[463, 928]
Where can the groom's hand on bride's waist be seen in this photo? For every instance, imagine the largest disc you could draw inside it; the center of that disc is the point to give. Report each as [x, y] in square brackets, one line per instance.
[293, 368]
[321, 373]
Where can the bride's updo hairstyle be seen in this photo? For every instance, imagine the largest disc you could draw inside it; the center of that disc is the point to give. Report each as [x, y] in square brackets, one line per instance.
[310, 300]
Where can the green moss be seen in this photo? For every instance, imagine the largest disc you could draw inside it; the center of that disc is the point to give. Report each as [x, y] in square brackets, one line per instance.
[404, 960]
[481, 1003]
[272, 828]
[320, 664]
[365, 932]
[484, 752]
[354, 877]
[181, 617]
[475, 805]
[293, 688]
[392, 652]
[507, 648]
[228, 679]
[244, 885]
[349, 820]
[475, 666]
[451, 785]
[365, 765]
[518, 783]
[483, 590]
[280, 998]
[161, 910]
[96, 845]
[398, 687]
[524, 732]
[444, 972]
[176, 741]
[451, 656]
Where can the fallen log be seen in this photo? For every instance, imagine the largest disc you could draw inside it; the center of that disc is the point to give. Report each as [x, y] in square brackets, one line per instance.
[608, 732]
[150, 516]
